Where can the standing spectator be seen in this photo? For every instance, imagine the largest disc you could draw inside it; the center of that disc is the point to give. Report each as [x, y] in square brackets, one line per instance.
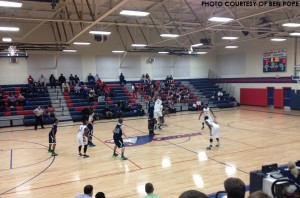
[61, 79]
[38, 117]
[11, 99]
[149, 190]
[77, 88]
[52, 81]
[97, 78]
[76, 78]
[42, 80]
[235, 188]
[100, 195]
[51, 110]
[134, 90]
[122, 79]
[198, 103]
[88, 192]
[220, 95]
[91, 78]
[71, 80]
[171, 79]
[65, 87]
[30, 80]
[21, 99]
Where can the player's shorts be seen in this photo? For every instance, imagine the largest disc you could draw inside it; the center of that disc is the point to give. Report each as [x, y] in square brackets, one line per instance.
[91, 131]
[208, 118]
[215, 132]
[157, 114]
[150, 115]
[51, 139]
[119, 142]
[81, 141]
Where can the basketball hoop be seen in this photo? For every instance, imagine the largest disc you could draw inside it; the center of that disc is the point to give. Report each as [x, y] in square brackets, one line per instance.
[12, 50]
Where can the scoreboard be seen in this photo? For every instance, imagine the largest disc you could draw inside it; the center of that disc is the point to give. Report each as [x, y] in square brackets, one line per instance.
[274, 61]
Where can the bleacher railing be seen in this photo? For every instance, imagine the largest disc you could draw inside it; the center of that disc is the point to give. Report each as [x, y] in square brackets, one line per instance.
[228, 88]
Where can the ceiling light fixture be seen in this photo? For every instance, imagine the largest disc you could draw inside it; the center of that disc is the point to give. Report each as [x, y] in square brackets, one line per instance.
[138, 45]
[291, 24]
[220, 19]
[163, 52]
[134, 13]
[117, 51]
[10, 4]
[295, 34]
[169, 35]
[69, 50]
[196, 45]
[231, 47]
[81, 43]
[6, 39]
[230, 37]
[100, 32]
[9, 29]
[278, 39]
[201, 52]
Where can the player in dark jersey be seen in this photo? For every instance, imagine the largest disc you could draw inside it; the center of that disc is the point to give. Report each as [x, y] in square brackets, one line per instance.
[90, 127]
[151, 119]
[118, 133]
[52, 138]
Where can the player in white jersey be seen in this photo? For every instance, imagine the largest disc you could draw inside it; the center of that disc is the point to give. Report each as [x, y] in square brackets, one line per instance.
[158, 111]
[214, 133]
[207, 114]
[82, 139]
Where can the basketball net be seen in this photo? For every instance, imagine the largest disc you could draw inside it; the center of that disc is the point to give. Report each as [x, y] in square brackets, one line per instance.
[12, 50]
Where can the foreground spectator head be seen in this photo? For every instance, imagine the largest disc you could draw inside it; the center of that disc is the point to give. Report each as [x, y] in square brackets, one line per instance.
[149, 188]
[88, 190]
[293, 169]
[100, 195]
[193, 194]
[258, 194]
[235, 188]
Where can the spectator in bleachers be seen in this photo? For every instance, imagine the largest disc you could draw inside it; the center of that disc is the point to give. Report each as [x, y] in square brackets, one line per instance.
[149, 189]
[40, 88]
[88, 192]
[65, 87]
[171, 79]
[61, 79]
[100, 195]
[122, 79]
[198, 103]
[112, 93]
[140, 109]
[11, 99]
[85, 91]
[107, 112]
[147, 76]
[42, 80]
[117, 112]
[291, 172]
[30, 80]
[134, 90]
[52, 81]
[92, 95]
[2, 105]
[168, 79]
[1, 93]
[106, 91]
[193, 194]
[259, 194]
[76, 78]
[172, 109]
[143, 78]
[126, 106]
[77, 88]
[97, 78]
[220, 95]
[50, 110]
[39, 112]
[71, 80]
[21, 99]
[91, 78]
[235, 188]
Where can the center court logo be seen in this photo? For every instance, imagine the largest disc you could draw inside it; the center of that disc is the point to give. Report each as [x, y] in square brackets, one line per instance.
[140, 140]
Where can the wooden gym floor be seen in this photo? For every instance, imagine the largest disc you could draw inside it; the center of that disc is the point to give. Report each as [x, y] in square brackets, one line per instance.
[175, 161]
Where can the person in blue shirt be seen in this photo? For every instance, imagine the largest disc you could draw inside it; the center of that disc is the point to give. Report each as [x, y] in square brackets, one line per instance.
[88, 192]
[118, 133]
[52, 138]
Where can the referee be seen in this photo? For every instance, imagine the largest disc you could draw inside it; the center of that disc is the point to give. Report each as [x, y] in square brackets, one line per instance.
[38, 117]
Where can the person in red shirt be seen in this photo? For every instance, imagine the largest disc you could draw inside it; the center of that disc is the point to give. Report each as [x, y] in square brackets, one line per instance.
[30, 80]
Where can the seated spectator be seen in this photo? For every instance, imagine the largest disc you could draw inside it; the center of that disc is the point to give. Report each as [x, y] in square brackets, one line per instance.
[140, 109]
[2, 105]
[147, 76]
[91, 96]
[30, 80]
[97, 78]
[88, 192]
[126, 106]
[61, 79]
[235, 188]
[11, 99]
[42, 80]
[76, 78]
[117, 112]
[220, 95]
[40, 88]
[100, 195]
[71, 80]
[85, 91]
[106, 91]
[65, 87]
[259, 194]
[291, 172]
[193, 194]
[122, 79]
[52, 81]
[172, 109]
[21, 99]
[149, 189]
[171, 79]
[101, 98]
[143, 78]
[107, 112]
[77, 88]
[50, 111]
[91, 78]
[27, 103]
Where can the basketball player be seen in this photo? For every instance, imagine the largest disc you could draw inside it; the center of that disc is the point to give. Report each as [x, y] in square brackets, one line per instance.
[118, 133]
[158, 112]
[52, 138]
[207, 114]
[151, 120]
[214, 133]
[82, 138]
[90, 127]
